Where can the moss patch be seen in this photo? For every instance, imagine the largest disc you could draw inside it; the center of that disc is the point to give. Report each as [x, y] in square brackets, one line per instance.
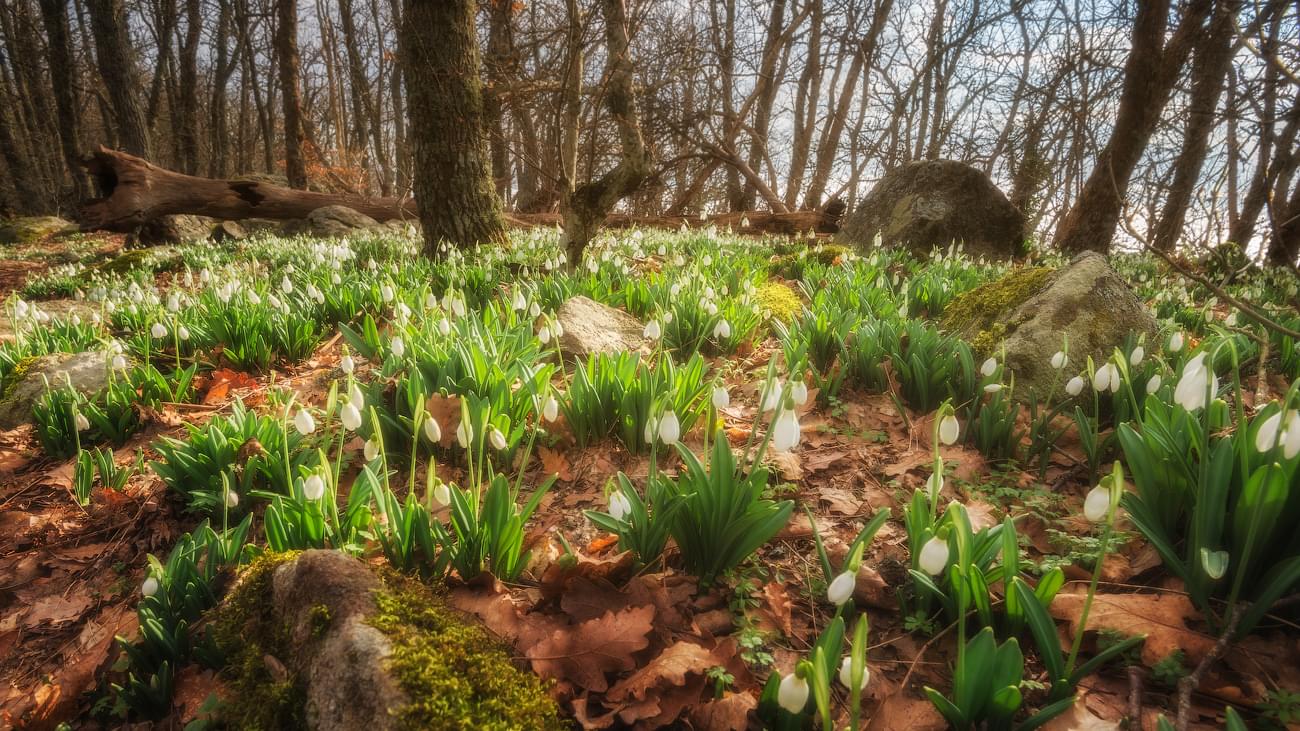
[9, 379]
[980, 314]
[456, 676]
[246, 631]
[778, 301]
[790, 264]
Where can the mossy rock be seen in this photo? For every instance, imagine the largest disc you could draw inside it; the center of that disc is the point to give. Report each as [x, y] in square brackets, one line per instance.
[87, 372]
[30, 229]
[778, 301]
[1031, 313]
[790, 265]
[152, 260]
[352, 649]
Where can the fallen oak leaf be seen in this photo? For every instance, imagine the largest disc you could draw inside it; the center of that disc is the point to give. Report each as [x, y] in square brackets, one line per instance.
[586, 652]
[724, 714]
[668, 668]
[1161, 617]
[555, 463]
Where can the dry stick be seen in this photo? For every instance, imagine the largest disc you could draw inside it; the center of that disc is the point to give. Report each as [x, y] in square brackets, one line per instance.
[1189, 684]
[1135, 697]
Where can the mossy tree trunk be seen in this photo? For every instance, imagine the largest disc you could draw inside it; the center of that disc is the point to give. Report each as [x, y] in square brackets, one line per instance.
[453, 179]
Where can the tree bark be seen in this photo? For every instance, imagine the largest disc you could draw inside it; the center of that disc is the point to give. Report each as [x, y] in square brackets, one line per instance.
[187, 100]
[1149, 76]
[54, 13]
[1209, 70]
[1284, 247]
[453, 181]
[117, 68]
[286, 48]
[218, 127]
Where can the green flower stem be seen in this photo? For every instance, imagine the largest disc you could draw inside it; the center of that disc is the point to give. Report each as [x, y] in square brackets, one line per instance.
[1092, 587]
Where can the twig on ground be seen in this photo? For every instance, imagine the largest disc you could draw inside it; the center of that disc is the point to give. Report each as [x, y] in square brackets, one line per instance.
[1135, 676]
[1189, 684]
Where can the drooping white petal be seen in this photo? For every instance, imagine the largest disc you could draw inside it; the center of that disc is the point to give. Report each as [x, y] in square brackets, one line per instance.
[846, 673]
[841, 589]
[934, 556]
[1097, 504]
[792, 694]
[949, 429]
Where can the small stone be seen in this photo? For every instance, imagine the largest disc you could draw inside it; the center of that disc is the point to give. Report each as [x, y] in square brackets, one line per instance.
[591, 327]
[87, 371]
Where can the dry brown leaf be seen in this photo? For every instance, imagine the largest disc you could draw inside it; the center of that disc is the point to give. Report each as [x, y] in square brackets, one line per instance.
[774, 614]
[57, 609]
[728, 713]
[554, 462]
[1079, 718]
[668, 669]
[1162, 618]
[446, 411]
[820, 460]
[786, 464]
[584, 653]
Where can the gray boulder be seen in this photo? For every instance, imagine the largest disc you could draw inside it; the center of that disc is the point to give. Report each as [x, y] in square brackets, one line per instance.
[1029, 313]
[591, 327]
[87, 372]
[177, 229]
[228, 231]
[29, 229]
[330, 221]
[932, 204]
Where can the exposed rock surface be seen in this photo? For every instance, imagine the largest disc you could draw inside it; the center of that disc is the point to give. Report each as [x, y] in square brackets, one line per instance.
[591, 327]
[933, 203]
[1030, 314]
[88, 373]
[229, 231]
[26, 229]
[331, 221]
[176, 229]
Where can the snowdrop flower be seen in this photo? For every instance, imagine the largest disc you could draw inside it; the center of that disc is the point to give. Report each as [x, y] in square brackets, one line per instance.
[651, 429]
[1101, 378]
[670, 429]
[1270, 433]
[1074, 386]
[174, 302]
[158, 330]
[934, 556]
[1135, 358]
[1197, 379]
[313, 488]
[119, 362]
[149, 587]
[792, 694]
[386, 292]
[841, 589]
[652, 330]
[371, 450]
[1153, 383]
[519, 303]
[785, 433]
[846, 674]
[1059, 359]
[183, 332]
[464, 434]
[444, 326]
[496, 438]
[350, 415]
[1176, 342]
[81, 421]
[772, 398]
[619, 505]
[721, 397]
[1097, 504]
[993, 388]
[432, 430]
[544, 334]
[397, 346]
[551, 409]
[989, 367]
[799, 393]
[303, 422]
[253, 298]
[442, 494]
[948, 429]
[274, 301]
[668, 317]
[1231, 319]
[286, 286]
[1291, 436]
[722, 330]
[347, 364]
[232, 499]
[356, 395]
[934, 484]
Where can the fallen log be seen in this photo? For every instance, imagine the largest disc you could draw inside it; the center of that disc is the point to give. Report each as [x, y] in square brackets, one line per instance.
[135, 191]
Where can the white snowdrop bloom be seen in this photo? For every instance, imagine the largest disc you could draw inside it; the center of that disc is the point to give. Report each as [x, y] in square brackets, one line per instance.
[675, 290]
[772, 398]
[949, 429]
[799, 393]
[551, 409]
[534, 310]
[934, 556]
[1059, 359]
[544, 334]
[711, 308]
[174, 302]
[403, 311]
[430, 301]
[119, 362]
[651, 429]
[652, 330]
[1176, 342]
[350, 415]
[846, 674]
[1267, 436]
[786, 431]
[303, 422]
[1291, 436]
[183, 332]
[792, 694]
[370, 450]
[496, 438]
[519, 303]
[81, 421]
[313, 488]
[668, 317]
[557, 329]
[158, 330]
[274, 301]
[149, 587]
[442, 494]
[253, 298]
[1074, 386]
[458, 307]
[707, 260]
[432, 430]
[1231, 319]
[989, 367]
[464, 434]
[397, 346]
[993, 388]
[721, 397]
[1101, 378]
[619, 505]
[286, 286]
[386, 293]
[444, 327]
[1097, 504]
[1197, 384]
[934, 485]
[347, 364]
[1135, 358]
[670, 429]
[232, 499]
[1154, 383]
[205, 275]
[722, 330]
[841, 589]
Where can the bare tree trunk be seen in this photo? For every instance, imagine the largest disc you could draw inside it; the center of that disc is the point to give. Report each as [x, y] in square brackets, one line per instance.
[453, 183]
[766, 96]
[117, 67]
[805, 107]
[1209, 69]
[1149, 76]
[62, 66]
[188, 91]
[286, 48]
[218, 125]
[1284, 246]
[358, 85]
[496, 62]
[585, 207]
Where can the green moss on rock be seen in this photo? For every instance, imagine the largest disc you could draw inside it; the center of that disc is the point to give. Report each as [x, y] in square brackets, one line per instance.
[456, 676]
[778, 301]
[979, 315]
